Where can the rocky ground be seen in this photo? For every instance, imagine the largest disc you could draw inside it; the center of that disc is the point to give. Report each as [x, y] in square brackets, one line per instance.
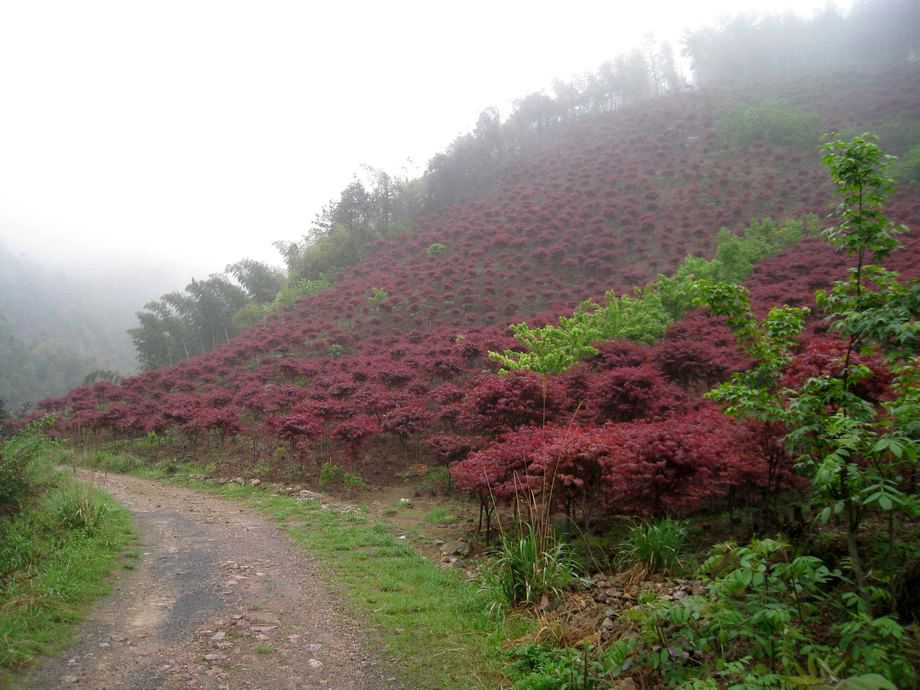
[594, 610]
[219, 598]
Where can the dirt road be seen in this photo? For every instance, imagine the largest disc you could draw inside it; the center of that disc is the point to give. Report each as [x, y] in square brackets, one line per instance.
[219, 598]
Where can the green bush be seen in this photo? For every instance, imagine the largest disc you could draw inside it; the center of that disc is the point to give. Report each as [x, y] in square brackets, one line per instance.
[55, 555]
[295, 291]
[354, 482]
[645, 314]
[19, 459]
[539, 667]
[772, 122]
[261, 469]
[329, 473]
[655, 545]
[248, 316]
[770, 620]
[153, 442]
[436, 479]
[437, 249]
[378, 297]
[439, 516]
[113, 461]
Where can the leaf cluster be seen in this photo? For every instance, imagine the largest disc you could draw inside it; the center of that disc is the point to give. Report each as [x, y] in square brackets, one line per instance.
[772, 620]
[644, 315]
[854, 448]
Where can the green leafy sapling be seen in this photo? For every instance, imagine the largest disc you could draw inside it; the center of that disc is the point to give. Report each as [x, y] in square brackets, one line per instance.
[852, 449]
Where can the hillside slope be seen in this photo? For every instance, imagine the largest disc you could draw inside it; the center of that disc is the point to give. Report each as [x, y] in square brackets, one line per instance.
[393, 350]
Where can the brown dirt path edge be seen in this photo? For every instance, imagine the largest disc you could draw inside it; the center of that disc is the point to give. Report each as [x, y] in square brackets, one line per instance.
[220, 599]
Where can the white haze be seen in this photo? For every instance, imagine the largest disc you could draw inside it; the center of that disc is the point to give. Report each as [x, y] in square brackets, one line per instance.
[175, 137]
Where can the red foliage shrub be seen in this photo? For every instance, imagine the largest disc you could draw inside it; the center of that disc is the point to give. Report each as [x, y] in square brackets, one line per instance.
[677, 465]
[296, 428]
[354, 432]
[501, 470]
[501, 403]
[450, 448]
[224, 420]
[406, 421]
[694, 363]
[644, 468]
[628, 393]
[619, 353]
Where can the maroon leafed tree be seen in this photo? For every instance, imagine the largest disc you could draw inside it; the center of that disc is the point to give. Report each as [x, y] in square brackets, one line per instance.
[625, 394]
[300, 430]
[404, 422]
[354, 433]
[500, 403]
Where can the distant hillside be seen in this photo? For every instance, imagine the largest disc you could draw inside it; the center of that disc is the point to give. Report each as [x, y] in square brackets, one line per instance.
[55, 329]
[396, 348]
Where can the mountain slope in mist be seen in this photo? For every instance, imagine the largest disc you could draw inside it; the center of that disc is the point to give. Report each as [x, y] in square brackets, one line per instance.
[396, 348]
[56, 328]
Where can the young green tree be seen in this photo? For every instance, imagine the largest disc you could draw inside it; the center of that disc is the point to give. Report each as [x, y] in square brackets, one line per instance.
[853, 450]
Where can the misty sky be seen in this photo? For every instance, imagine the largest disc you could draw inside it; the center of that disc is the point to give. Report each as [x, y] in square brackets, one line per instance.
[186, 135]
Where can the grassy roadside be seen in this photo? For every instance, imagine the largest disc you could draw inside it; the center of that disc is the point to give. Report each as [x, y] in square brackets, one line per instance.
[431, 624]
[55, 557]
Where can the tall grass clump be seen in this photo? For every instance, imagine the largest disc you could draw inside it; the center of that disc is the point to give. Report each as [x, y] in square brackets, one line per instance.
[105, 460]
[655, 545]
[529, 566]
[532, 561]
[74, 506]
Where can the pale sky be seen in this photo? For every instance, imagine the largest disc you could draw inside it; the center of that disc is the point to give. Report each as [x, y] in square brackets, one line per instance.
[186, 135]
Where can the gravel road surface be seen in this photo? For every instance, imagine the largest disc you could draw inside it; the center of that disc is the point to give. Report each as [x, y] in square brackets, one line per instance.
[219, 598]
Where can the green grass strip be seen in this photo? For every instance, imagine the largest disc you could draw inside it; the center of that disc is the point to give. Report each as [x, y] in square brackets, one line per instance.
[55, 556]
